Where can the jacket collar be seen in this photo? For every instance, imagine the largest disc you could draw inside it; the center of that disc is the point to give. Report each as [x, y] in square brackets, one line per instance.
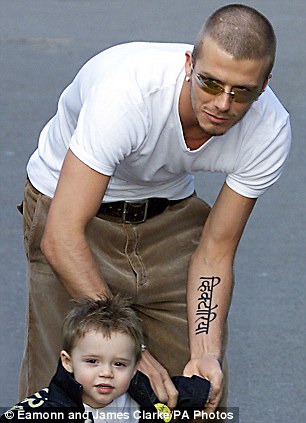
[64, 389]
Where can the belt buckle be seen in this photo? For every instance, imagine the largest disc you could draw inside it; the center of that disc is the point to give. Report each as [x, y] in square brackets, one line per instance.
[130, 205]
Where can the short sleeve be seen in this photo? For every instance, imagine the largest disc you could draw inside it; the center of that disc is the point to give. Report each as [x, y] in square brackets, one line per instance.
[108, 131]
[261, 166]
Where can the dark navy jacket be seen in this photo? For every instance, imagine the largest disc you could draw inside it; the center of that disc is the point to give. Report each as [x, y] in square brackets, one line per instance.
[63, 398]
[63, 394]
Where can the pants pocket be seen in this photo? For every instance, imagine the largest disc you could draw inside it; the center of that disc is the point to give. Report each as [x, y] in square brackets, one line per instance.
[35, 211]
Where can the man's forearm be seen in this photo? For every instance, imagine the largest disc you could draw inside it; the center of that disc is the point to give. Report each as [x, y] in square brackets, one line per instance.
[209, 295]
[71, 260]
[79, 193]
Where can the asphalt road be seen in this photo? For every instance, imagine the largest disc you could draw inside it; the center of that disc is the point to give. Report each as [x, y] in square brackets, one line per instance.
[43, 44]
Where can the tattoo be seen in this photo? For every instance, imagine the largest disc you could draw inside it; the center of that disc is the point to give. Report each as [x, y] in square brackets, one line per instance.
[205, 308]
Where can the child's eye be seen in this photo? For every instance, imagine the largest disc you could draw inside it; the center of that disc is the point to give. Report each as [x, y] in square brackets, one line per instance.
[91, 361]
[119, 364]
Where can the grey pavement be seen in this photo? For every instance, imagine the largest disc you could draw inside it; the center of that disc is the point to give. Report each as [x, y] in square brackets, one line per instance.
[43, 44]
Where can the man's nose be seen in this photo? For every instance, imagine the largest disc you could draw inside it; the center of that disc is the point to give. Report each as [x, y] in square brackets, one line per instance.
[223, 101]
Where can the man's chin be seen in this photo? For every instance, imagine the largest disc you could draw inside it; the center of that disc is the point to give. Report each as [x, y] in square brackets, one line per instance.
[213, 132]
[216, 130]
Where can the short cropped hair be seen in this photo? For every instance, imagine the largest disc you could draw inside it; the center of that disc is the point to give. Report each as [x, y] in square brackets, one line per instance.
[241, 31]
[104, 315]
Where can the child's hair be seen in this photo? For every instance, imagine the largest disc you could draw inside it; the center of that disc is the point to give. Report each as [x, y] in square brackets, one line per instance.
[106, 315]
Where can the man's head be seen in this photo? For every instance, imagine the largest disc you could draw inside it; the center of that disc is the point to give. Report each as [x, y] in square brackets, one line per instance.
[229, 67]
[241, 31]
[101, 346]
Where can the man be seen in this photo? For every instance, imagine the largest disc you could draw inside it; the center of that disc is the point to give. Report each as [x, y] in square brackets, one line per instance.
[117, 161]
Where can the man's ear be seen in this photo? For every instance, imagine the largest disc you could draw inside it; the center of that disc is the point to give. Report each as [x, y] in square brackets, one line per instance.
[66, 361]
[188, 63]
[266, 82]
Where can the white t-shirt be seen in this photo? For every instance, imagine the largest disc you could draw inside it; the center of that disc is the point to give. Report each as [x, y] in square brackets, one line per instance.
[122, 410]
[120, 117]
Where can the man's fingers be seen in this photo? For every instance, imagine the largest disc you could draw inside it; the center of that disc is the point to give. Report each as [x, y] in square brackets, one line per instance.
[164, 388]
[160, 380]
[214, 398]
[171, 391]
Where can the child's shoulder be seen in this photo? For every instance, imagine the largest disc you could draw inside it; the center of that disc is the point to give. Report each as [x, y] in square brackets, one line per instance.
[36, 400]
[26, 407]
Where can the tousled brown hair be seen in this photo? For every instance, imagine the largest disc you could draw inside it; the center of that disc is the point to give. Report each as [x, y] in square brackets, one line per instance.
[104, 315]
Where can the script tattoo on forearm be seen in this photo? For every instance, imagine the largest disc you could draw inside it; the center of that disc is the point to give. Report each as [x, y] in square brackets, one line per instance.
[205, 314]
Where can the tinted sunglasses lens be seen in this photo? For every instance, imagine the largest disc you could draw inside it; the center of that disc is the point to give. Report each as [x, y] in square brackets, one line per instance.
[245, 97]
[239, 96]
[210, 87]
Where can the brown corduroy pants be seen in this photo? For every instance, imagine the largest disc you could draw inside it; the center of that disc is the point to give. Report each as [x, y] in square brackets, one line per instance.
[148, 262]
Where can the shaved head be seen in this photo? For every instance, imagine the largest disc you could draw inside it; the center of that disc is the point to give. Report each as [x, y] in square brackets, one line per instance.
[241, 31]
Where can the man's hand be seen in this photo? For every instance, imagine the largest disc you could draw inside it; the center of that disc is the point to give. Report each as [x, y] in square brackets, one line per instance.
[207, 367]
[159, 378]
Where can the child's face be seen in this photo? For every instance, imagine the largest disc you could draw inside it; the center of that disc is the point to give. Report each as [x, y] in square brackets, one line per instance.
[104, 366]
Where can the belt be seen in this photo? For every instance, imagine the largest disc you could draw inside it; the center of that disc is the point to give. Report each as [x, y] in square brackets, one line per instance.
[136, 211]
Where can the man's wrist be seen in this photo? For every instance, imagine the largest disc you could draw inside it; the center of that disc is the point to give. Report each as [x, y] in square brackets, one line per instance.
[203, 347]
[207, 355]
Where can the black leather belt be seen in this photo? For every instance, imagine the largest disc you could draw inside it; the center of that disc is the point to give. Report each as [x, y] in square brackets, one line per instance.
[136, 211]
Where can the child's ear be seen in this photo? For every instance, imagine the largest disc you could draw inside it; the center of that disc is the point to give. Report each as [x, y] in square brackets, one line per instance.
[135, 371]
[66, 361]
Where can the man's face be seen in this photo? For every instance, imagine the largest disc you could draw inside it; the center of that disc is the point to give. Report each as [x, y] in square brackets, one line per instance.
[216, 114]
[104, 366]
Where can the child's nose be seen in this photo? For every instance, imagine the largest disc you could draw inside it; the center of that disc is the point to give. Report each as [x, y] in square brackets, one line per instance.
[106, 370]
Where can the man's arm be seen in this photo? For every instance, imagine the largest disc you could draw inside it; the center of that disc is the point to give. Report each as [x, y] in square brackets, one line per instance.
[210, 284]
[77, 198]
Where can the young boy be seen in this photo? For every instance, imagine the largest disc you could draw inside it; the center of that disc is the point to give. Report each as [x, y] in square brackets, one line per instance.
[102, 345]
[102, 342]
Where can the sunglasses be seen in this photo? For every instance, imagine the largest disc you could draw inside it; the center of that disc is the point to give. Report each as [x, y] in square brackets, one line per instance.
[238, 94]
